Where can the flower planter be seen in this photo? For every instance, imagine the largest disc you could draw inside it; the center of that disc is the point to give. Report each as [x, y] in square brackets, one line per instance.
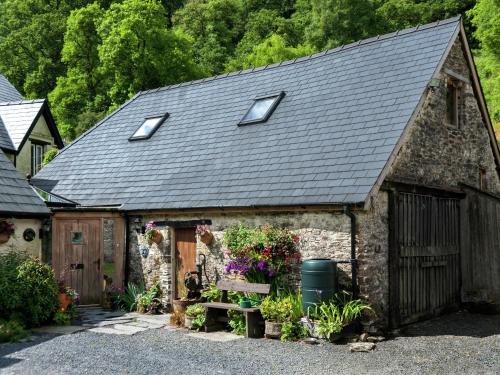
[188, 322]
[207, 238]
[272, 330]
[64, 301]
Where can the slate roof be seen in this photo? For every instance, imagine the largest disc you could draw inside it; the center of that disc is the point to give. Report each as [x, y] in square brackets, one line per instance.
[8, 92]
[17, 118]
[16, 196]
[326, 143]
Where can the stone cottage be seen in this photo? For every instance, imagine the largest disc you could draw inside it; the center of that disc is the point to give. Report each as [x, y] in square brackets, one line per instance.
[386, 141]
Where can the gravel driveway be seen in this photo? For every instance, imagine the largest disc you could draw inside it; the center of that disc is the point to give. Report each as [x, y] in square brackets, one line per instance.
[455, 344]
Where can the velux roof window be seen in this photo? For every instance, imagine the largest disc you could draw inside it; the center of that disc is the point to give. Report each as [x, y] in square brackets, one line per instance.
[148, 127]
[262, 109]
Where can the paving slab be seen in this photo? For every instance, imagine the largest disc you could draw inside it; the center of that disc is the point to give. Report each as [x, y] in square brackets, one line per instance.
[220, 336]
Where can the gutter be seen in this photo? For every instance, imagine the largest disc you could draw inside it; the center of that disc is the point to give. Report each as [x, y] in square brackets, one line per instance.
[353, 261]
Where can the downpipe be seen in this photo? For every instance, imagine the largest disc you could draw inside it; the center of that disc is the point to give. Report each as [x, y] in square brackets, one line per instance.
[353, 261]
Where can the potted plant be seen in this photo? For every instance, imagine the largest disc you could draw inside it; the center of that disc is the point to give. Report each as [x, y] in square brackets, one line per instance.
[152, 234]
[6, 230]
[195, 316]
[335, 320]
[205, 235]
[275, 312]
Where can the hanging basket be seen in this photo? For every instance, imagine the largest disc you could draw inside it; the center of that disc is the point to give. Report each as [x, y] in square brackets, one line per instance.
[157, 237]
[207, 237]
[4, 237]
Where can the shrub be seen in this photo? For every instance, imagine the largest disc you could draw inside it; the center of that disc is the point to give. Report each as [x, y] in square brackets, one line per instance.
[137, 298]
[236, 322]
[11, 331]
[62, 318]
[282, 309]
[28, 289]
[196, 311]
[129, 298]
[49, 156]
[212, 293]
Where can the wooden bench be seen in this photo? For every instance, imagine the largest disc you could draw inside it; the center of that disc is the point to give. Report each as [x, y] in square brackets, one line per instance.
[253, 318]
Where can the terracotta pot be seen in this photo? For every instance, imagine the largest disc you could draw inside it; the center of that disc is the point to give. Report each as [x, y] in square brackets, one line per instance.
[64, 301]
[4, 237]
[273, 330]
[157, 237]
[207, 237]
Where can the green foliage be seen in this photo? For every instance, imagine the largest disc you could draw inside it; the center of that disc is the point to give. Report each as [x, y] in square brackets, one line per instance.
[282, 309]
[131, 295]
[236, 322]
[28, 289]
[149, 301]
[11, 331]
[49, 156]
[212, 293]
[486, 18]
[62, 318]
[196, 311]
[331, 317]
[291, 331]
[215, 26]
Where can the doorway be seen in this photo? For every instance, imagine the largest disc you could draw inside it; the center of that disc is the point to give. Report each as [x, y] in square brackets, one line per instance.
[185, 258]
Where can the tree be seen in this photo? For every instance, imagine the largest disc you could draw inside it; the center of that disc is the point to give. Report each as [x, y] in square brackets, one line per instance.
[31, 39]
[261, 25]
[84, 88]
[486, 18]
[335, 22]
[138, 52]
[272, 50]
[215, 26]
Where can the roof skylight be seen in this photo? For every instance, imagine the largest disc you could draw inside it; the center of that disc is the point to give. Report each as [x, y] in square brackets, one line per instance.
[148, 127]
[262, 109]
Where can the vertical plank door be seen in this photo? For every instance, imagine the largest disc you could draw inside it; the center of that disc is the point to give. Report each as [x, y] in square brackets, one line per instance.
[185, 257]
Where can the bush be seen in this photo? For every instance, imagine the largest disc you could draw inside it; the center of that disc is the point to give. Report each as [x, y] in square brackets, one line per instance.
[49, 156]
[11, 331]
[28, 289]
[196, 311]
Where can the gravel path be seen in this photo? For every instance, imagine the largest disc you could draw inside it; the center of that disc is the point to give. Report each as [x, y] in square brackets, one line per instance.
[455, 344]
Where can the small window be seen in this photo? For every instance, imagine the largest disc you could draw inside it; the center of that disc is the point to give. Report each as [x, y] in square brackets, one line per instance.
[453, 98]
[148, 127]
[262, 109]
[37, 151]
[77, 238]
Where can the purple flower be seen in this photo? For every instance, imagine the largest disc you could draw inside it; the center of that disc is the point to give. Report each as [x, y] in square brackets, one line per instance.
[262, 265]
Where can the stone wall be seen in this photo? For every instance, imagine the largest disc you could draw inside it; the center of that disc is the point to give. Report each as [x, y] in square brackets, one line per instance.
[443, 155]
[322, 235]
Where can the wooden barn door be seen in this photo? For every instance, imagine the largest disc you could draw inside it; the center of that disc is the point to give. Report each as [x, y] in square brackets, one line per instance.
[425, 256]
[185, 257]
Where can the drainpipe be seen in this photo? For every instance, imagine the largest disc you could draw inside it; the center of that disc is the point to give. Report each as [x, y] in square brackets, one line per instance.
[127, 234]
[353, 261]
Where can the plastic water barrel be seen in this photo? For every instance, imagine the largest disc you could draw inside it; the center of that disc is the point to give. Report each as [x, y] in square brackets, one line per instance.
[319, 281]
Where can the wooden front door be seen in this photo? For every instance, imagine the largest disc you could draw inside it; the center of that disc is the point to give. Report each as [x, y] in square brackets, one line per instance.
[78, 257]
[185, 257]
[425, 256]
[81, 256]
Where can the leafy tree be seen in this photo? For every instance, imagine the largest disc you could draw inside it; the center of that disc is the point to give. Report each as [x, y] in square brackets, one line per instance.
[83, 88]
[486, 17]
[31, 39]
[138, 52]
[272, 50]
[260, 26]
[334, 22]
[215, 26]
